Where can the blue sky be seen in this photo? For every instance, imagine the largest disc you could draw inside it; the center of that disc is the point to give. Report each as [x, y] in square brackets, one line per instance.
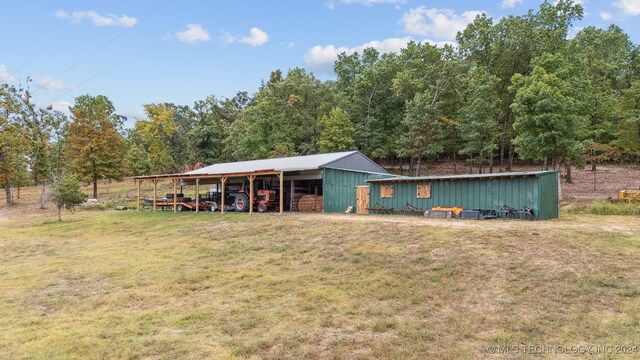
[138, 52]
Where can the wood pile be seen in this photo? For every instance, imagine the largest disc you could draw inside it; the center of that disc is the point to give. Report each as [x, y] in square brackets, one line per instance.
[309, 203]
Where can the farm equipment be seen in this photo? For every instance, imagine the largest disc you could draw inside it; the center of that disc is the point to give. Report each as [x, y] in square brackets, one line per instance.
[629, 195]
[182, 203]
[507, 212]
[214, 199]
[263, 201]
[478, 214]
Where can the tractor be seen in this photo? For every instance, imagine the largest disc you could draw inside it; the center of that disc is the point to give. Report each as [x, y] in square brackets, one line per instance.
[264, 200]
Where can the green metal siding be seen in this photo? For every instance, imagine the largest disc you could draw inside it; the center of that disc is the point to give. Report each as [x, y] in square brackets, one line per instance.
[548, 184]
[539, 193]
[339, 187]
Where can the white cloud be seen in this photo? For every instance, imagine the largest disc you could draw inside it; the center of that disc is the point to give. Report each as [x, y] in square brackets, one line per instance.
[5, 75]
[61, 106]
[256, 37]
[321, 58]
[97, 19]
[227, 38]
[629, 7]
[605, 16]
[193, 34]
[50, 83]
[510, 3]
[441, 24]
[288, 45]
[331, 4]
[372, 2]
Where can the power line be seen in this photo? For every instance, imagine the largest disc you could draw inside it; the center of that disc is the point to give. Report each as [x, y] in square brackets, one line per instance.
[97, 50]
[37, 54]
[89, 79]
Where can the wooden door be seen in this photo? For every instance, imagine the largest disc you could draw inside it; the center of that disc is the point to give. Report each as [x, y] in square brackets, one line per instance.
[362, 199]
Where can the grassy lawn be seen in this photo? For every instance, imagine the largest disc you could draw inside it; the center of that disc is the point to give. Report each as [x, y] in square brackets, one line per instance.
[144, 285]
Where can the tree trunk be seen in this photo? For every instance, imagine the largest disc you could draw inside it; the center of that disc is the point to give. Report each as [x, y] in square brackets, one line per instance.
[9, 191]
[59, 213]
[545, 164]
[19, 191]
[455, 163]
[511, 156]
[567, 165]
[43, 196]
[95, 188]
[411, 166]
[400, 160]
[418, 166]
[491, 163]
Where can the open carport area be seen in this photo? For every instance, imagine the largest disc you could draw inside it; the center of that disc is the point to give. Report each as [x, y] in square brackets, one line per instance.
[283, 184]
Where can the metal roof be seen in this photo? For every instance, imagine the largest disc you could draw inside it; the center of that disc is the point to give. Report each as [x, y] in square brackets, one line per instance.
[294, 163]
[464, 176]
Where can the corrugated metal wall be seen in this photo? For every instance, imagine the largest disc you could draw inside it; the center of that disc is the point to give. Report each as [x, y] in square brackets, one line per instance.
[539, 193]
[548, 184]
[339, 187]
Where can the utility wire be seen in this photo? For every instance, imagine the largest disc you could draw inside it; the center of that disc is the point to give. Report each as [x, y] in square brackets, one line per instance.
[89, 79]
[41, 51]
[43, 86]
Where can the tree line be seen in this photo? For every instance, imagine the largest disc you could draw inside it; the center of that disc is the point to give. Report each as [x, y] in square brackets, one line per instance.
[517, 87]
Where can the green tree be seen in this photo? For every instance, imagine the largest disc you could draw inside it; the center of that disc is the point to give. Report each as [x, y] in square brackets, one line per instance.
[336, 131]
[37, 126]
[283, 117]
[548, 108]
[137, 159]
[478, 126]
[213, 117]
[628, 129]
[93, 142]
[507, 48]
[13, 141]
[365, 85]
[66, 193]
[605, 53]
[428, 85]
[156, 134]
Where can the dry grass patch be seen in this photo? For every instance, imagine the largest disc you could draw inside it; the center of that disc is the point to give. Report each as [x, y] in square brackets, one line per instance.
[144, 285]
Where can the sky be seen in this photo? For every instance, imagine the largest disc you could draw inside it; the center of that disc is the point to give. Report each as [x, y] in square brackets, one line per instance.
[180, 51]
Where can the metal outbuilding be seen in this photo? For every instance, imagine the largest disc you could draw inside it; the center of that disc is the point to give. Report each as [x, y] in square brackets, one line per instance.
[537, 190]
[334, 176]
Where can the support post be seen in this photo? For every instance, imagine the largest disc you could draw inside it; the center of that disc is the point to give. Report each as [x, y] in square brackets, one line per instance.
[155, 195]
[175, 195]
[293, 194]
[197, 195]
[251, 178]
[281, 191]
[222, 180]
[138, 202]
